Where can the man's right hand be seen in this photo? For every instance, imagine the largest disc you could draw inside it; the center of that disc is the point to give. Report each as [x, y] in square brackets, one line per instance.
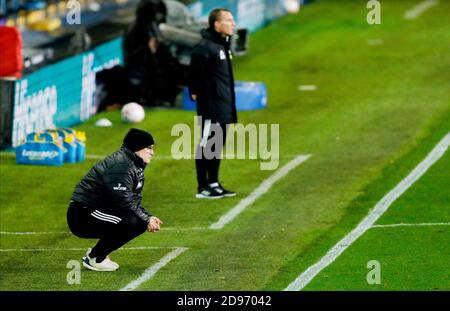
[154, 224]
[194, 97]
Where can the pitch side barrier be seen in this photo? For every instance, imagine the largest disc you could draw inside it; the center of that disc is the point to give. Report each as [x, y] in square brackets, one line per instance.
[54, 96]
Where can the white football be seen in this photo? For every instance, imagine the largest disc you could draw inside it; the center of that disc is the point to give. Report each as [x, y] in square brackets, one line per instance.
[132, 113]
[292, 6]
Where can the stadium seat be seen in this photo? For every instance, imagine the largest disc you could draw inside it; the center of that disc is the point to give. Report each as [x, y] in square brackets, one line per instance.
[11, 63]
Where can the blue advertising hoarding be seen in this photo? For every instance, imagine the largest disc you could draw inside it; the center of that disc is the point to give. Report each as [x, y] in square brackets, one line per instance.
[61, 94]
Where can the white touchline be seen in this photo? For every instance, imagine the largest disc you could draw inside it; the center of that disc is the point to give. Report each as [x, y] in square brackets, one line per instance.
[263, 188]
[419, 9]
[302, 280]
[88, 156]
[412, 225]
[67, 232]
[160, 157]
[31, 233]
[151, 271]
[77, 249]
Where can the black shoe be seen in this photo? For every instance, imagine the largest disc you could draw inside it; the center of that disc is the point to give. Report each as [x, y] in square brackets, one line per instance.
[208, 193]
[219, 189]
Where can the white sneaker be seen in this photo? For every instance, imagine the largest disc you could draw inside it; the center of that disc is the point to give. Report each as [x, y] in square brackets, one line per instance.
[112, 262]
[107, 258]
[105, 265]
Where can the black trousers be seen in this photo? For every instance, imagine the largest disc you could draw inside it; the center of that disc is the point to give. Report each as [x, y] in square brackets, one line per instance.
[207, 158]
[114, 229]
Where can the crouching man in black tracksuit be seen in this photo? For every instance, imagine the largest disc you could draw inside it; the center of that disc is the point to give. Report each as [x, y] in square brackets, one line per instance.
[106, 204]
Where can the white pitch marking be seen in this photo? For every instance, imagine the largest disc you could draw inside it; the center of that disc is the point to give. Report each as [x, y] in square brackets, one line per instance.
[31, 233]
[374, 41]
[302, 280]
[159, 157]
[412, 225]
[151, 271]
[262, 188]
[88, 156]
[419, 9]
[307, 87]
[192, 157]
[66, 232]
[76, 249]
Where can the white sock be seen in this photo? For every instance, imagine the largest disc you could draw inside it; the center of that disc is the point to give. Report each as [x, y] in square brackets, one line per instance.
[214, 185]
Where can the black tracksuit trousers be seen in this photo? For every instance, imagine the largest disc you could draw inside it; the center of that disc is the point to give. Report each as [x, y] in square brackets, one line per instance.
[207, 158]
[113, 228]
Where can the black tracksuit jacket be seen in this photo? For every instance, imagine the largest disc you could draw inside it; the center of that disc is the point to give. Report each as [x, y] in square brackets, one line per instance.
[114, 183]
[211, 78]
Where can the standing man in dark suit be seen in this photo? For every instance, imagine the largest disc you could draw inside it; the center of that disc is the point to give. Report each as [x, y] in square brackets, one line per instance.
[211, 85]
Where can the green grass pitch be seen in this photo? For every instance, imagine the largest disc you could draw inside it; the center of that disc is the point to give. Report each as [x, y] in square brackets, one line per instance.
[377, 112]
